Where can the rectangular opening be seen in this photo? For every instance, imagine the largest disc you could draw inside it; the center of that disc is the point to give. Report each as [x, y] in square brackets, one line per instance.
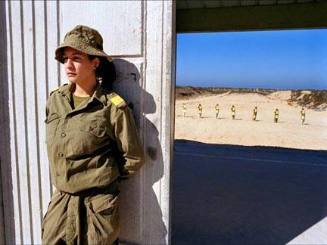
[251, 178]
[280, 73]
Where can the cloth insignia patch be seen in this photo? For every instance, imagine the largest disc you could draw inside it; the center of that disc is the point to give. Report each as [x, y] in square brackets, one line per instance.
[117, 100]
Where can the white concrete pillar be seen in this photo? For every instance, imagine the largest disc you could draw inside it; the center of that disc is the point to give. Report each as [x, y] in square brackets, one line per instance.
[140, 35]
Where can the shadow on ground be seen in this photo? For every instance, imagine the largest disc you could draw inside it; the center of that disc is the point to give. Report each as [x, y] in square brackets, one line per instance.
[228, 194]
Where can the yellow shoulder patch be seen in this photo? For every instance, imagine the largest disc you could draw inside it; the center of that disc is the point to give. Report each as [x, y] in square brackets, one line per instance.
[117, 100]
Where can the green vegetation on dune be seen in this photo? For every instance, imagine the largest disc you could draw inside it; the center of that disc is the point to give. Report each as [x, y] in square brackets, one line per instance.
[191, 92]
[311, 99]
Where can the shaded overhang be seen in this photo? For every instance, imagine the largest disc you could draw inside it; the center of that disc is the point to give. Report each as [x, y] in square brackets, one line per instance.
[245, 15]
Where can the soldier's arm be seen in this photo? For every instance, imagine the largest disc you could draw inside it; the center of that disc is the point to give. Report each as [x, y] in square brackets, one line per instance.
[127, 140]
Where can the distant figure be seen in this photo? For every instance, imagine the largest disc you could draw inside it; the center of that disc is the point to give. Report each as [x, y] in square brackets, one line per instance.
[200, 110]
[184, 110]
[276, 115]
[217, 110]
[233, 111]
[255, 112]
[302, 115]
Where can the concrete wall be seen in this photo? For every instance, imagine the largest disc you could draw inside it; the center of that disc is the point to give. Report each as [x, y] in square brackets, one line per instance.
[140, 36]
[3, 110]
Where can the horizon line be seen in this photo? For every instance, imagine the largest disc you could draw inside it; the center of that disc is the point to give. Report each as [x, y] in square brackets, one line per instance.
[249, 88]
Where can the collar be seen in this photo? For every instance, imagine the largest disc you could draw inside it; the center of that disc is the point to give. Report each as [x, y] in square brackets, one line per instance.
[99, 93]
[66, 89]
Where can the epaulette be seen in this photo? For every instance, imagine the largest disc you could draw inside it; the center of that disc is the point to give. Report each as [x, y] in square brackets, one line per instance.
[117, 100]
[60, 88]
[54, 90]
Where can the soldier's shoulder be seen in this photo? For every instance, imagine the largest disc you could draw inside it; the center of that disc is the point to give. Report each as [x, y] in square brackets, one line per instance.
[56, 90]
[116, 100]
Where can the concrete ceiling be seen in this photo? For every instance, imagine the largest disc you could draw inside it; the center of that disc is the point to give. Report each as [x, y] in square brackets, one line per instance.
[242, 15]
[192, 4]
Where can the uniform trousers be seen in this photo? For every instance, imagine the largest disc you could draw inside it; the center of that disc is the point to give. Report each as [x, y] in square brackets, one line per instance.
[90, 217]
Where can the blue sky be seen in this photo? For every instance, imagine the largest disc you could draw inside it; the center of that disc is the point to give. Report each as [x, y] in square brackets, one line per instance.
[260, 59]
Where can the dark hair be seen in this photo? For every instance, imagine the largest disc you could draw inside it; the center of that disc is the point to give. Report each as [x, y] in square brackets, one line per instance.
[105, 72]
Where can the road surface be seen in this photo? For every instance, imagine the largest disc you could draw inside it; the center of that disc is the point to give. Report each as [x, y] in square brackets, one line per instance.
[227, 194]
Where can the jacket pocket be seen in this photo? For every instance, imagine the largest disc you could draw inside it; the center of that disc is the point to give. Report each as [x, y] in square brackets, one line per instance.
[52, 122]
[52, 211]
[51, 118]
[104, 204]
[95, 128]
[103, 225]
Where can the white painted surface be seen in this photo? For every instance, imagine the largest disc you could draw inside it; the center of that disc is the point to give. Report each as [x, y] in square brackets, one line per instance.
[119, 22]
[139, 35]
[21, 147]
[41, 67]
[316, 234]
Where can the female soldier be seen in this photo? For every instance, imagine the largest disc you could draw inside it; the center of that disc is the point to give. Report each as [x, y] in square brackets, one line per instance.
[91, 141]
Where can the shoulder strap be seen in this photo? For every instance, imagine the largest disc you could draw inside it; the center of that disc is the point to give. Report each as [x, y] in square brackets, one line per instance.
[117, 100]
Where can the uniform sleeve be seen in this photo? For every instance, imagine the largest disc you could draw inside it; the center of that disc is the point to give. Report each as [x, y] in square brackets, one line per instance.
[127, 140]
[47, 108]
[48, 103]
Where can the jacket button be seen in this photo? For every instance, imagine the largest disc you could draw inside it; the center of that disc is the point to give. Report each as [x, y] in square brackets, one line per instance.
[60, 154]
[63, 134]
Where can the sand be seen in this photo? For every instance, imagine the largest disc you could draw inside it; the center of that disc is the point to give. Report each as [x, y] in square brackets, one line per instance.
[288, 132]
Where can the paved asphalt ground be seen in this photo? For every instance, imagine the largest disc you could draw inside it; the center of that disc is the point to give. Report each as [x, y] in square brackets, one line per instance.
[227, 194]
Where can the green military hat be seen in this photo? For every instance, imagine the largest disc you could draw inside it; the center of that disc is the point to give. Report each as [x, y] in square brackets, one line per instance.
[84, 39]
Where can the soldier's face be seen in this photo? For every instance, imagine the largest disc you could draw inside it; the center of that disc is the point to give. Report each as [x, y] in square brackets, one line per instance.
[78, 67]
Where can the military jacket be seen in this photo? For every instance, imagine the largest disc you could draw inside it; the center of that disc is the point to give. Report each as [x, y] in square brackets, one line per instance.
[83, 143]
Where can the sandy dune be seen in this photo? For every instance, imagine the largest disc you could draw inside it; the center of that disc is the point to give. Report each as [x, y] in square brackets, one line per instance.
[288, 132]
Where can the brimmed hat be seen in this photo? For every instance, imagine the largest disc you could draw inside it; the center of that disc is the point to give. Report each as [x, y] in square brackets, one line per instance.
[84, 39]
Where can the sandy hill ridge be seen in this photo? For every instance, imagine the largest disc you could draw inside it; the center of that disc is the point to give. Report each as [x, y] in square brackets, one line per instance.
[313, 99]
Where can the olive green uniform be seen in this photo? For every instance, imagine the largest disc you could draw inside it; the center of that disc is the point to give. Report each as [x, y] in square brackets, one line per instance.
[89, 148]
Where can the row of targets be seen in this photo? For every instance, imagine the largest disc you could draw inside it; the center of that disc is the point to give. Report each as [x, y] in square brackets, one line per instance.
[254, 113]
